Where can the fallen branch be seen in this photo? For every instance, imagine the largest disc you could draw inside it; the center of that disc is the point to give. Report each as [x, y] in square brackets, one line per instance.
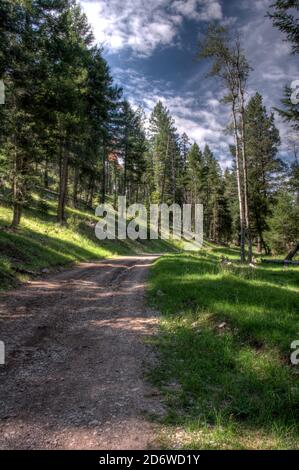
[281, 261]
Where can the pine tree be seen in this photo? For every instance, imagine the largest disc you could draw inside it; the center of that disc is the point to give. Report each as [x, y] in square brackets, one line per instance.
[262, 141]
[194, 175]
[232, 207]
[67, 37]
[132, 147]
[205, 185]
[294, 179]
[284, 18]
[184, 148]
[22, 77]
[164, 152]
[103, 102]
[283, 231]
[213, 196]
[290, 111]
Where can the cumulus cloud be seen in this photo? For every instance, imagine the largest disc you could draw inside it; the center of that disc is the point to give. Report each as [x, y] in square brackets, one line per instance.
[273, 65]
[204, 10]
[143, 25]
[202, 117]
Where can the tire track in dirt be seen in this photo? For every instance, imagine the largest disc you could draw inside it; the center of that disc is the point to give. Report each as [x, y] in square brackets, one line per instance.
[76, 354]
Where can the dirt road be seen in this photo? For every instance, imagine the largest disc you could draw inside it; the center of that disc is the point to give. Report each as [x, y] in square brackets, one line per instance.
[75, 359]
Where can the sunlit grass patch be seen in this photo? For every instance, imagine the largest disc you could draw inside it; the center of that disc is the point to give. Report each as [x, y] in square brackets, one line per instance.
[41, 243]
[225, 340]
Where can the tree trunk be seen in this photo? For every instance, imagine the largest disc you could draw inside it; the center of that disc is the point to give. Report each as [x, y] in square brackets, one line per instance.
[245, 174]
[284, 262]
[17, 189]
[62, 187]
[103, 188]
[239, 185]
[266, 247]
[115, 189]
[293, 252]
[75, 186]
[46, 175]
[125, 174]
[259, 244]
[91, 192]
[173, 171]
[164, 172]
[17, 212]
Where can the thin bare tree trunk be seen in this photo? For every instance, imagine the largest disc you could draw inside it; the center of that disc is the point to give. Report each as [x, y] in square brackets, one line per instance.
[239, 185]
[245, 173]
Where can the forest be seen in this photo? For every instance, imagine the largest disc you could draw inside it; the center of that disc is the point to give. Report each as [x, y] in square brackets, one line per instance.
[66, 127]
[136, 343]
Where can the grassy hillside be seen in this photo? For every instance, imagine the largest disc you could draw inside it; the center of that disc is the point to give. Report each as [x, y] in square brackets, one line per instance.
[224, 345]
[40, 243]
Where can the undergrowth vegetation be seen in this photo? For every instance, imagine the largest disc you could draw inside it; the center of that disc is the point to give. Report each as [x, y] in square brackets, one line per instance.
[224, 347]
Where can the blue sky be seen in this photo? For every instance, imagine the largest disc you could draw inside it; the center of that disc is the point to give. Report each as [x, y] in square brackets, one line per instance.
[150, 46]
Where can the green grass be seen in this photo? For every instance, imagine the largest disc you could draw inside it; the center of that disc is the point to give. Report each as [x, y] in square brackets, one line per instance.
[41, 243]
[224, 350]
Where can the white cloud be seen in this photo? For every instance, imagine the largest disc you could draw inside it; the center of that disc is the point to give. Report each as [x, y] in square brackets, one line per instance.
[273, 65]
[205, 10]
[257, 5]
[143, 25]
[203, 118]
